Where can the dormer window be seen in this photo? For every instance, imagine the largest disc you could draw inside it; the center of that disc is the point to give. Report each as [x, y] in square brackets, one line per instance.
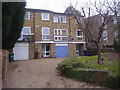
[27, 15]
[45, 16]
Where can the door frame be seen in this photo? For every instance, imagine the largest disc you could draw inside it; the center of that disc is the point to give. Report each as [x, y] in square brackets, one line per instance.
[44, 52]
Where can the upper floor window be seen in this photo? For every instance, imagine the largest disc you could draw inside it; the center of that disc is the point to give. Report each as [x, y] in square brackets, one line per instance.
[27, 15]
[79, 35]
[25, 33]
[60, 34]
[80, 20]
[61, 19]
[114, 20]
[105, 36]
[45, 33]
[45, 16]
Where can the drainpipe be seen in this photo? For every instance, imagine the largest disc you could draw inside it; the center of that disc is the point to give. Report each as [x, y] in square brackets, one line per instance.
[69, 25]
[34, 30]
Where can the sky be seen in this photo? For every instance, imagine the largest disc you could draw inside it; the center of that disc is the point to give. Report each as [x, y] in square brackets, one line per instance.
[53, 5]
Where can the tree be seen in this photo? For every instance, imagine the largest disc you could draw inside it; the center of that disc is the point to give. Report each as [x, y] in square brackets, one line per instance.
[94, 9]
[12, 23]
[114, 6]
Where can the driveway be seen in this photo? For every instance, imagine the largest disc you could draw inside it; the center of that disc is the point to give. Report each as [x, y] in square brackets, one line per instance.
[40, 73]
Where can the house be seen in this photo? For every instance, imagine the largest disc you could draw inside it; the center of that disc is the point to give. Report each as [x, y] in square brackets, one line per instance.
[109, 32]
[49, 34]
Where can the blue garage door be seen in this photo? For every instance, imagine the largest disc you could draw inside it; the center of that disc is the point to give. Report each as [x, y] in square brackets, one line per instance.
[61, 51]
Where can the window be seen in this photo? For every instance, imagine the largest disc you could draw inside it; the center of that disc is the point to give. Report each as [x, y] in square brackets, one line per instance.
[56, 18]
[60, 34]
[79, 35]
[57, 35]
[45, 16]
[45, 33]
[27, 15]
[114, 20]
[79, 20]
[61, 19]
[26, 31]
[105, 36]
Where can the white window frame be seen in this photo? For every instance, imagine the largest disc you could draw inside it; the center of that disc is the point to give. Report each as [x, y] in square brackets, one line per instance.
[59, 36]
[105, 37]
[64, 21]
[55, 18]
[48, 17]
[114, 20]
[45, 34]
[28, 13]
[22, 33]
[79, 36]
[58, 19]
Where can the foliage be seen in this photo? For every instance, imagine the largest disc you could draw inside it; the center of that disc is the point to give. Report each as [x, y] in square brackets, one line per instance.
[117, 43]
[86, 69]
[12, 22]
[69, 63]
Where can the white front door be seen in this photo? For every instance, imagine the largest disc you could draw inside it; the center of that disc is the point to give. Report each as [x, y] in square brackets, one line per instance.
[46, 50]
[21, 51]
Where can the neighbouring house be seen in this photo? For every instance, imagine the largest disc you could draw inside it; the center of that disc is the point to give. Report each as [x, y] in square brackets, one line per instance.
[49, 34]
[109, 33]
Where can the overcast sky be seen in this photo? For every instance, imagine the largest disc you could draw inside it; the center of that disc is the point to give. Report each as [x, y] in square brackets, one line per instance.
[53, 5]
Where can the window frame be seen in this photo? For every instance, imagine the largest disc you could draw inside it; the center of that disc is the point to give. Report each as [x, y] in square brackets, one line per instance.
[28, 13]
[59, 19]
[61, 35]
[45, 34]
[79, 36]
[105, 37]
[47, 16]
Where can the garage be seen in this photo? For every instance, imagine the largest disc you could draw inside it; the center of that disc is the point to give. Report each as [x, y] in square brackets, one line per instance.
[21, 51]
[61, 50]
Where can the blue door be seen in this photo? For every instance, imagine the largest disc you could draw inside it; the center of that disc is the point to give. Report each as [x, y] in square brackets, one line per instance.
[61, 51]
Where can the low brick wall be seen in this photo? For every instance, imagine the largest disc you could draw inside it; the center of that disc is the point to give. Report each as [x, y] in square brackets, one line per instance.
[5, 62]
[0, 69]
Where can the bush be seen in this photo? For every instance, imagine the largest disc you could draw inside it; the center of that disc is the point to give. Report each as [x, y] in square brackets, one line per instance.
[69, 63]
[112, 81]
[117, 43]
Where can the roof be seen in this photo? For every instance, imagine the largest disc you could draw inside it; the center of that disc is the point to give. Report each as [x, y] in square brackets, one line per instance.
[43, 10]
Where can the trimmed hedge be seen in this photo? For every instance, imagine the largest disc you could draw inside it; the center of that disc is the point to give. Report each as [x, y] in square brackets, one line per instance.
[101, 78]
[73, 68]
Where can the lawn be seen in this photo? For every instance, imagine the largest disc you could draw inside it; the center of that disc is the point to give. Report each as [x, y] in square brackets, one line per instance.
[88, 70]
[108, 65]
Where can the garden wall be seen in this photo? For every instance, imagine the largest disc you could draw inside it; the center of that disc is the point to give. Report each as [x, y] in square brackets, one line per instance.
[5, 62]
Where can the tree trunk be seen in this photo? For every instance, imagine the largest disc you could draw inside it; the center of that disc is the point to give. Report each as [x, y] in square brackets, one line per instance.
[100, 61]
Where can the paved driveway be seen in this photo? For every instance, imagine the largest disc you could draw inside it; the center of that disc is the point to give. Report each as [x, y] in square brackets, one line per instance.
[40, 73]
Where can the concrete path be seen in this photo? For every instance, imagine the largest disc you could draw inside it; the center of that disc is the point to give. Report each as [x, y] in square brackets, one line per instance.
[40, 73]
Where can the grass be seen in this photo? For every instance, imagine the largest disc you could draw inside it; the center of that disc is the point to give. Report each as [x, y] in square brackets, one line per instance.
[87, 69]
[108, 65]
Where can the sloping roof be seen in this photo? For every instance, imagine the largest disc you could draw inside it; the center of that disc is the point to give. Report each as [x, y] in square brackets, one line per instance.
[43, 10]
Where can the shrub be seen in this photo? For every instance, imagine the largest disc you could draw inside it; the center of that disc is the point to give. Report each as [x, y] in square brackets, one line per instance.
[69, 63]
[112, 81]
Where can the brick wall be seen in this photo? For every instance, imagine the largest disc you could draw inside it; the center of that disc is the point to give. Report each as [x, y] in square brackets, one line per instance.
[0, 69]
[71, 49]
[31, 50]
[5, 62]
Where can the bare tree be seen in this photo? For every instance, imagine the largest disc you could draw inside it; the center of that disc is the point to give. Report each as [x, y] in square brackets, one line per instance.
[88, 11]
